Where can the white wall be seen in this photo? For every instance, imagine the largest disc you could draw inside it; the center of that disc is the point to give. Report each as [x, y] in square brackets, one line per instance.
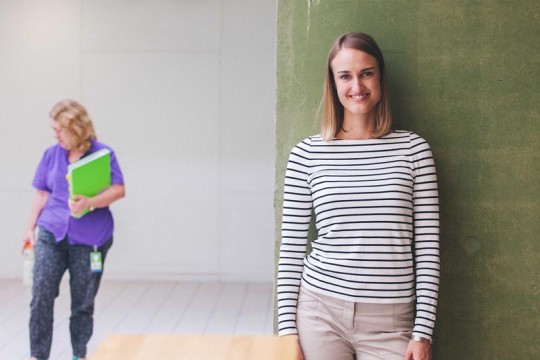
[184, 91]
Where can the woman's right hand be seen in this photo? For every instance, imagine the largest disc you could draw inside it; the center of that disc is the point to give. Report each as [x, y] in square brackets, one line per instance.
[300, 353]
[28, 237]
[40, 199]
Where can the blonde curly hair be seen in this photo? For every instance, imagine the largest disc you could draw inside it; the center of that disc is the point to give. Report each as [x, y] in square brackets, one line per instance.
[73, 117]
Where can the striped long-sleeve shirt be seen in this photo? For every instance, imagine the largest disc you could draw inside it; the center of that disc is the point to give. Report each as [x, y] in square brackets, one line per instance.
[377, 218]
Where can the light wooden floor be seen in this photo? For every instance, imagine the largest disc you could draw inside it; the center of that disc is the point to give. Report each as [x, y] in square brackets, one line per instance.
[142, 308]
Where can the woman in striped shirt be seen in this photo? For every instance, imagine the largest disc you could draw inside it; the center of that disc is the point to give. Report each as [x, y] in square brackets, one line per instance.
[369, 288]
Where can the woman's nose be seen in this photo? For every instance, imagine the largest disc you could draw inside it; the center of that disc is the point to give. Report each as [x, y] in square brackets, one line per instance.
[358, 85]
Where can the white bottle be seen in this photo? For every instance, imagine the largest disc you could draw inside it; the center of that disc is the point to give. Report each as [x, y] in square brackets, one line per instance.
[28, 263]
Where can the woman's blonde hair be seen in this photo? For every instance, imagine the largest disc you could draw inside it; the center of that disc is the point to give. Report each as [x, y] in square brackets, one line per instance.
[331, 110]
[73, 117]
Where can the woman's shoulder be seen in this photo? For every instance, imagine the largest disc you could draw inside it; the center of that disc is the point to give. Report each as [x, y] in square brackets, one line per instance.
[411, 135]
[54, 150]
[308, 142]
[313, 139]
[399, 133]
[417, 143]
[97, 145]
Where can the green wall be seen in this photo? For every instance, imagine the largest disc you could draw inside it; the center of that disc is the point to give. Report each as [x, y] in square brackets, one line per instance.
[463, 74]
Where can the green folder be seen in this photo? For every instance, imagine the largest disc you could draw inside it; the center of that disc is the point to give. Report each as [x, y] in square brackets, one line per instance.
[89, 176]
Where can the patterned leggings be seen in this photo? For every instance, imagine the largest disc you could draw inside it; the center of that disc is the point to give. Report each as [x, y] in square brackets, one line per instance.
[52, 260]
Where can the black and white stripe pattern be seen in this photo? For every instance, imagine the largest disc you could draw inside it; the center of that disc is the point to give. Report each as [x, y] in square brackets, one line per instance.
[377, 217]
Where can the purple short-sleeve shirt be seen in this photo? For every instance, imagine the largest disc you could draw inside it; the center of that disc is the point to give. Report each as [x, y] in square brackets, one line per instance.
[94, 228]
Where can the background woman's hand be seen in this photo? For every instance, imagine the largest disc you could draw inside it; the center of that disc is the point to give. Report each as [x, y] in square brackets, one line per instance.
[40, 199]
[78, 203]
[418, 351]
[28, 237]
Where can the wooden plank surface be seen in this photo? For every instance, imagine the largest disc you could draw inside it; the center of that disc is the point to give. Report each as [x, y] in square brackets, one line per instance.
[188, 347]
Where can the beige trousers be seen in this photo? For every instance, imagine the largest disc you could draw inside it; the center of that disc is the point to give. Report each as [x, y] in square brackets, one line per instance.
[333, 329]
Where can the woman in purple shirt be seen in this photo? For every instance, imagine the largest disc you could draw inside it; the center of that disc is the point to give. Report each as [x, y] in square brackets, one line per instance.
[64, 242]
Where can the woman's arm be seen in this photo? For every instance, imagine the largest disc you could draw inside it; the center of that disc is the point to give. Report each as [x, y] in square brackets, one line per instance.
[426, 238]
[40, 199]
[79, 202]
[107, 197]
[297, 206]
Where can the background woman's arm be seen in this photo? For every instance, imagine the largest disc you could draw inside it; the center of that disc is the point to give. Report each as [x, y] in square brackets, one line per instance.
[40, 199]
[103, 199]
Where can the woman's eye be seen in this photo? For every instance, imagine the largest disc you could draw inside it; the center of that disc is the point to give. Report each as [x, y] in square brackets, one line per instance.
[367, 74]
[345, 76]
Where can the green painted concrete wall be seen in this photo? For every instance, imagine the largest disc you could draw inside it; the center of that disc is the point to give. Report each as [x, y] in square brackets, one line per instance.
[465, 75]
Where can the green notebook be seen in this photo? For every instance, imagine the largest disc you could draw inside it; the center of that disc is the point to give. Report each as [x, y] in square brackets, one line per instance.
[90, 175]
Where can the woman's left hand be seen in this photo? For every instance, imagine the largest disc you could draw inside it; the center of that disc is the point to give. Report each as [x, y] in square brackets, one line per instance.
[79, 203]
[418, 351]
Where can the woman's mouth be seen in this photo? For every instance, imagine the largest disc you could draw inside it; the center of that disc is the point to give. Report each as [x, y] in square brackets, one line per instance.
[360, 97]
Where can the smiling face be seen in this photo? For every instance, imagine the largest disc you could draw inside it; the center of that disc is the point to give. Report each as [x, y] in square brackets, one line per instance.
[357, 82]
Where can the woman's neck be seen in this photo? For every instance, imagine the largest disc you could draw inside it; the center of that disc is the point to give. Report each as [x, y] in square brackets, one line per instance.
[356, 128]
[74, 155]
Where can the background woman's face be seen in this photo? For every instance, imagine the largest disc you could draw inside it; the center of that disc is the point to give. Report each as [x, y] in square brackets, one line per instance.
[62, 135]
[357, 80]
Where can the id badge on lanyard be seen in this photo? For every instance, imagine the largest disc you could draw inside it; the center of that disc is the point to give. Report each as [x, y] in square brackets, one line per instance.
[96, 261]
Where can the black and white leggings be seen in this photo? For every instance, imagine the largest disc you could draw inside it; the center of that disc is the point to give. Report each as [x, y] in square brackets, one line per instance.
[52, 259]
